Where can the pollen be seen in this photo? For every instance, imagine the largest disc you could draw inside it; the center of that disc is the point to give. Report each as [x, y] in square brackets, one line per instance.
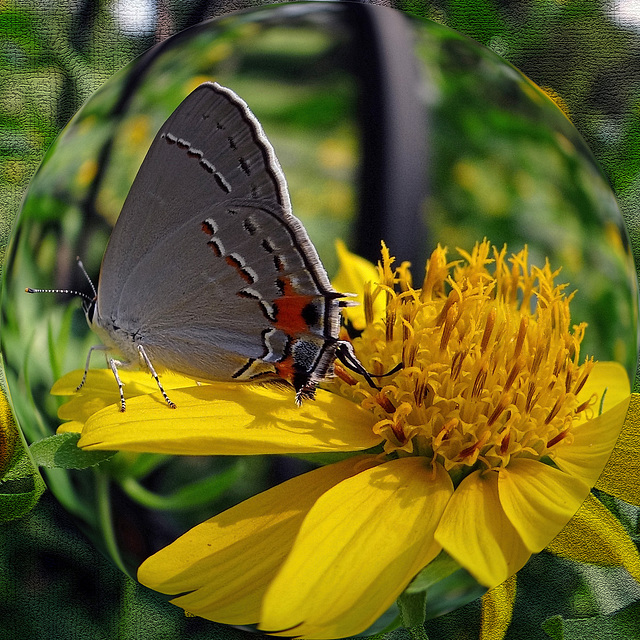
[490, 360]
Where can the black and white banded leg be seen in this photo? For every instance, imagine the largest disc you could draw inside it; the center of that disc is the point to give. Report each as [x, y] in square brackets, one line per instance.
[114, 364]
[96, 347]
[144, 356]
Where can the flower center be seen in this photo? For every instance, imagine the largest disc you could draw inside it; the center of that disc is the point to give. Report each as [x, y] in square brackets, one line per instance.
[490, 360]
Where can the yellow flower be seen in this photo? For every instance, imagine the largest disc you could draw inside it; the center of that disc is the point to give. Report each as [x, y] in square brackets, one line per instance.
[489, 438]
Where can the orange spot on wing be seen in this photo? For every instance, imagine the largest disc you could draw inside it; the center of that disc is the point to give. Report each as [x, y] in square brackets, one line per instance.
[290, 305]
[233, 262]
[285, 368]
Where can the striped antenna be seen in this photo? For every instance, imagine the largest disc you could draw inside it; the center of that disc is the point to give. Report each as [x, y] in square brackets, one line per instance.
[69, 291]
[84, 296]
[86, 275]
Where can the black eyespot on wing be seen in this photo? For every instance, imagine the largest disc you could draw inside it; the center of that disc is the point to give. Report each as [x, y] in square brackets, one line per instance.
[310, 314]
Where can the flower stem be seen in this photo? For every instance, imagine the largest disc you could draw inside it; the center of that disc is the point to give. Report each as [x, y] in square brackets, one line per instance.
[418, 633]
[412, 608]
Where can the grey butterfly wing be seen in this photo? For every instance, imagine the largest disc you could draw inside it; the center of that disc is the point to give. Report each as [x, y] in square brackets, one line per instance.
[206, 267]
[180, 175]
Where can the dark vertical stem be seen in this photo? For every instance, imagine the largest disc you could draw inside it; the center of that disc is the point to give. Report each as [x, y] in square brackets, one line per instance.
[394, 134]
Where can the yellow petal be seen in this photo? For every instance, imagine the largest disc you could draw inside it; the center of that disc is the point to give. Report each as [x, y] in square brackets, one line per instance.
[611, 376]
[101, 390]
[70, 427]
[231, 419]
[497, 610]
[621, 475]
[476, 532]
[538, 500]
[358, 548]
[227, 562]
[596, 536]
[354, 272]
[593, 442]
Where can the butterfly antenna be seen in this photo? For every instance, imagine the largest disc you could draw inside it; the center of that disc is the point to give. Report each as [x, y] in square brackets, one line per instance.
[69, 291]
[72, 292]
[86, 275]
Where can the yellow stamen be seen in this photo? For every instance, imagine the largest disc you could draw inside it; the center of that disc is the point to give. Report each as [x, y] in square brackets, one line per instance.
[490, 359]
[344, 375]
[368, 304]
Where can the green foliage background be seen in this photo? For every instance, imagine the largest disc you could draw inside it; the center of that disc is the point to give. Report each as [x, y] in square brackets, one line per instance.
[53, 583]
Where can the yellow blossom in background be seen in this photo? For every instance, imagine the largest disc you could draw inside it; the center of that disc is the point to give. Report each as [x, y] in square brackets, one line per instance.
[489, 438]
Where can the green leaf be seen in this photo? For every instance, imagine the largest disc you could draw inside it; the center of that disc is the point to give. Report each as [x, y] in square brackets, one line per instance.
[18, 497]
[20, 482]
[438, 569]
[140, 466]
[191, 495]
[61, 450]
[20, 487]
[621, 625]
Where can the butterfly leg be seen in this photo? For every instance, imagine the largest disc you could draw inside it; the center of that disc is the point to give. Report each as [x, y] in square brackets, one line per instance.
[114, 367]
[144, 356]
[96, 347]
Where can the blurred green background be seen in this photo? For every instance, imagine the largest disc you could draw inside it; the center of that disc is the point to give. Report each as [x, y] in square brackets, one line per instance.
[585, 55]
